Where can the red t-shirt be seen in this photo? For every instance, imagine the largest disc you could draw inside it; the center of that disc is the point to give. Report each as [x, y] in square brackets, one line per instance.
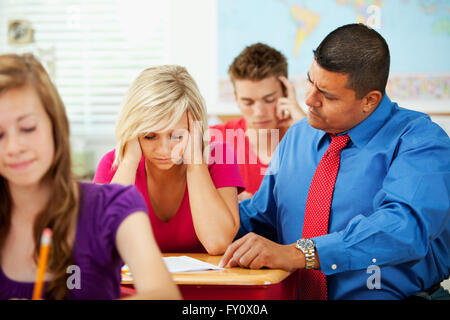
[251, 168]
[178, 234]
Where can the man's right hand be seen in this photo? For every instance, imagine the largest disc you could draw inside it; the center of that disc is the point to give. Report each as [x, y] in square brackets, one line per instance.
[254, 251]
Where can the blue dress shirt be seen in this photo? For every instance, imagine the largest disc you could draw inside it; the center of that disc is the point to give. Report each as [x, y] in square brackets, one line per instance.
[390, 208]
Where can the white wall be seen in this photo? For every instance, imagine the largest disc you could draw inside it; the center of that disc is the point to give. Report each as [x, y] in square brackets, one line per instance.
[193, 44]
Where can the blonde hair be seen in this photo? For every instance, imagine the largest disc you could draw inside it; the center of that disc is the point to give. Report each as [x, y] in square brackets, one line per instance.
[155, 102]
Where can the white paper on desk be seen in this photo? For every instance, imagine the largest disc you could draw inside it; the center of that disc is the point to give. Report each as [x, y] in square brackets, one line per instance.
[187, 264]
[181, 264]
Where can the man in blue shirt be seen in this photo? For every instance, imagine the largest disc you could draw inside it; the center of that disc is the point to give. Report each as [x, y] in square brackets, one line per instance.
[389, 221]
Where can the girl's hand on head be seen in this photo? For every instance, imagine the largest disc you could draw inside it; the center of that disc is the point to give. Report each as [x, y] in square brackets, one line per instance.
[193, 153]
[133, 151]
[126, 172]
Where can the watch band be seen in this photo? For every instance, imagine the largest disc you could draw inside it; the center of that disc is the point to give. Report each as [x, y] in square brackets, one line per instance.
[309, 258]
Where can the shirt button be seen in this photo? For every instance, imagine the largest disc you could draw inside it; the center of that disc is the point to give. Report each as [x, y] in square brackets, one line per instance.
[334, 267]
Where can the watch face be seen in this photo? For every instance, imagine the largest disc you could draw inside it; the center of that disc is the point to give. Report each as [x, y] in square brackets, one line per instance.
[306, 243]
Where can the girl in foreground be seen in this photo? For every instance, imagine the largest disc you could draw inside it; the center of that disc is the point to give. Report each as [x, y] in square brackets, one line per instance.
[190, 187]
[95, 228]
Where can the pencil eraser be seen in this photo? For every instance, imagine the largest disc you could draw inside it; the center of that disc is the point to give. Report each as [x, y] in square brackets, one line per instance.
[46, 236]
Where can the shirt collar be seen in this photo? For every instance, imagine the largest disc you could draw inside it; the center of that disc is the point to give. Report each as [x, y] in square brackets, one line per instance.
[364, 131]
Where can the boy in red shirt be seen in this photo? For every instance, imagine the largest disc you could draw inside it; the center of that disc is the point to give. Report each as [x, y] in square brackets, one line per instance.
[269, 107]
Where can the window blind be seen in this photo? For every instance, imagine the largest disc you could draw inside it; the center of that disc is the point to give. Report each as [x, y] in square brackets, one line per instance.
[93, 50]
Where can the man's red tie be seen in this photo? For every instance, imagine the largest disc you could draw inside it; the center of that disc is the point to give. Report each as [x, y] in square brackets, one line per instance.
[313, 283]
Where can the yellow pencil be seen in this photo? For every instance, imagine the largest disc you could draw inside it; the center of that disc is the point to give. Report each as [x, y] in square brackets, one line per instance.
[42, 263]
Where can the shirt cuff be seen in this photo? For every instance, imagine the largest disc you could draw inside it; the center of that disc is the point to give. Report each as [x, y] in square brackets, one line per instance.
[332, 253]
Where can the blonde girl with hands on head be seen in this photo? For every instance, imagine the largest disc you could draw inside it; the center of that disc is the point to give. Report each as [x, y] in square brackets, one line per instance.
[190, 186]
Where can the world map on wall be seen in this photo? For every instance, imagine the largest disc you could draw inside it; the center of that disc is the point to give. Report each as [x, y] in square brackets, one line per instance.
[417, 31]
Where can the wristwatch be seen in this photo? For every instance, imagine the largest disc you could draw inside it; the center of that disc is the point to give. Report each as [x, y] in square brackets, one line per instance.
[307, 246]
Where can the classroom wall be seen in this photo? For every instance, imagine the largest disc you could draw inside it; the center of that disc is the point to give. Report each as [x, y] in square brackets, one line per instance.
[193, 42]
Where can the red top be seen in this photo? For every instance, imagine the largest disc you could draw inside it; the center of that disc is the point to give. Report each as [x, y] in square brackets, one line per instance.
[251, 168]
[178, 234]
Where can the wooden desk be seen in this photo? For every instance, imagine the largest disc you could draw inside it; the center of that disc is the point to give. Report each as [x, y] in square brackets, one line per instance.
[229, 284]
